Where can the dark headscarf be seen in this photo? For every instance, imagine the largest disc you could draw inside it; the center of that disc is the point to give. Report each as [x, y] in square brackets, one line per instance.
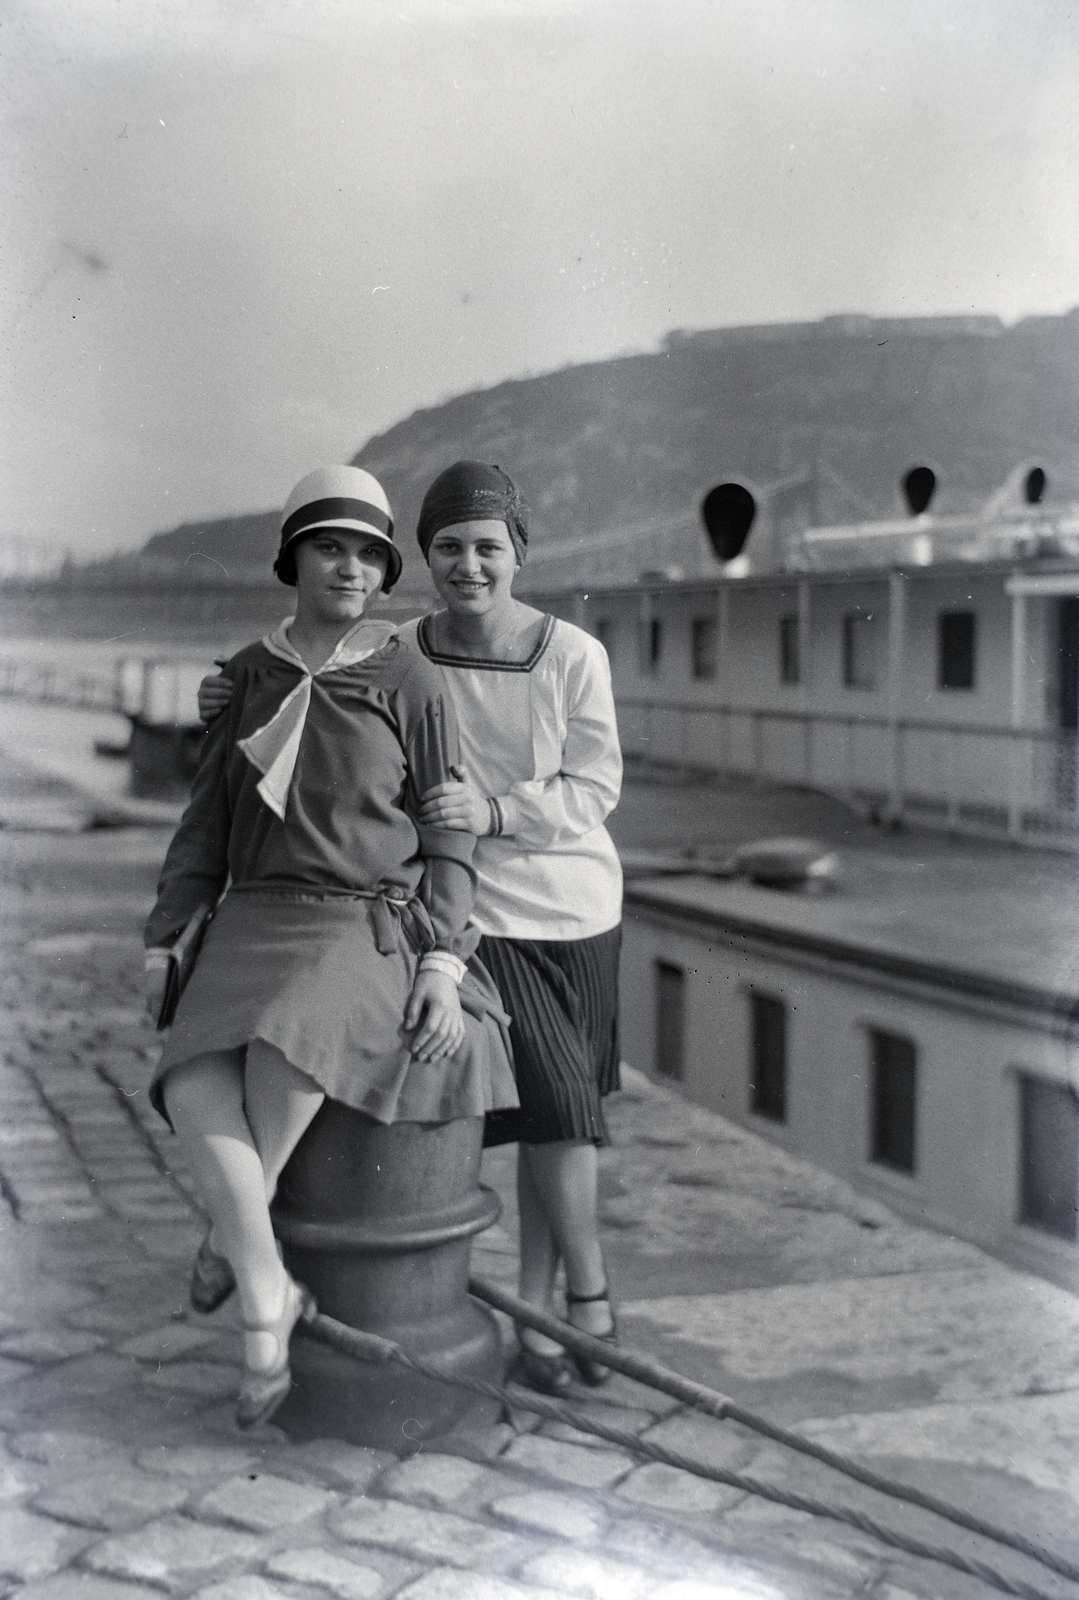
[471, 491]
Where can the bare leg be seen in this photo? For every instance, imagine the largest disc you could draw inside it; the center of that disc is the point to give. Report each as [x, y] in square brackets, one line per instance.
[539, 1252]
[205, 1099]
[563, 1180]
[280, 1103]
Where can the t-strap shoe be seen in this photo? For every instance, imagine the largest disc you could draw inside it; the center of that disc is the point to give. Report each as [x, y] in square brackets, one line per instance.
[212, 1279]
[592, 1372]
[263, 1389]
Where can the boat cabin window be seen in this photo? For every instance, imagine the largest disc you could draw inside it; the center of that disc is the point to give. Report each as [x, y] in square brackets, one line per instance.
[894, 1092]
[605, 635]
[649, 645]
[704, 647]
[789, 664]
[1048, 1155]
[1068, 663]
[860, 650]
[768, 1057]
[670, 1020]
[956, 632]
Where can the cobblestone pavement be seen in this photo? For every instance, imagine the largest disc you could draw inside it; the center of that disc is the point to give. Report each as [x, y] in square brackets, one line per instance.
[122, 1476]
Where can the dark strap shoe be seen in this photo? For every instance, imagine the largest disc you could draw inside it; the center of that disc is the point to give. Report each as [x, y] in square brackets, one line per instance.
[212, 1279]
[592, 1372]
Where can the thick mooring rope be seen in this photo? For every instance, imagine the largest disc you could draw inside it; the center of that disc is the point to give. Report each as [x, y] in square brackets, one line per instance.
[655, 1376]
[372, 1348]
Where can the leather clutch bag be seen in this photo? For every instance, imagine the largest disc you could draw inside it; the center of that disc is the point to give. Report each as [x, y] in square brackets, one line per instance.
[182, 958]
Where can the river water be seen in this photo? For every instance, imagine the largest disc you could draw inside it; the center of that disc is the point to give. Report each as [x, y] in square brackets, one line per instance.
[82, 640]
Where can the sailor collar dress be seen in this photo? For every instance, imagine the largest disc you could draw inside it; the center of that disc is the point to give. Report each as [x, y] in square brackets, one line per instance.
[305, 803]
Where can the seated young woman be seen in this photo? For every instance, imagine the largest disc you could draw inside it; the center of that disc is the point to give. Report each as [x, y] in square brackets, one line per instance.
[333, 961]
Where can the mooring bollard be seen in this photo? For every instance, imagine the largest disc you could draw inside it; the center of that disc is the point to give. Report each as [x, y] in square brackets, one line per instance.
[163, 758]
[378, 1222]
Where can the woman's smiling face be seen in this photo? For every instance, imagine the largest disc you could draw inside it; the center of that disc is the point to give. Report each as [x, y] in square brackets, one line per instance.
[473, 565]
[337, 571]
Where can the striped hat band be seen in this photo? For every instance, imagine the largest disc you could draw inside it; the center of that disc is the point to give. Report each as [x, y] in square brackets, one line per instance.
[338, 511]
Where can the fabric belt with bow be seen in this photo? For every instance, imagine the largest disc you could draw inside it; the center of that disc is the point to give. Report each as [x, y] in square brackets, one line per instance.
[393, 915]
[397, 916]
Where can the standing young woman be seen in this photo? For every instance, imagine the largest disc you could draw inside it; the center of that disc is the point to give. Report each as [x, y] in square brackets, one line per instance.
[543, 770]
[332, 964]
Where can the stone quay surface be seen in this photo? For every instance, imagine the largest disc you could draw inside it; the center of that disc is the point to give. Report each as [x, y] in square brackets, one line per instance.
[123, 1477]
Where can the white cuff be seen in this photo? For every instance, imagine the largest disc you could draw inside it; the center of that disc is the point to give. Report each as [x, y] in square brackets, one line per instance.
[156, 957]
[443, 961]
[508, 813]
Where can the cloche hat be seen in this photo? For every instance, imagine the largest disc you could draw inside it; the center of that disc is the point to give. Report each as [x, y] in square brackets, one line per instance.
[337, 497]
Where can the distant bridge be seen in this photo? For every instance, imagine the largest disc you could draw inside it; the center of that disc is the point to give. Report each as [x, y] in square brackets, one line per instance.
[50, 684]
[159, 692]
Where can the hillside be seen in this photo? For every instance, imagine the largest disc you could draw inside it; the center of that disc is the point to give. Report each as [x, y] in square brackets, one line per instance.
[622, 444]
[239, 544]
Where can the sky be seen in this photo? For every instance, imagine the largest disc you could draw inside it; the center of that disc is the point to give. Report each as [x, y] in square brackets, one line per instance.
[242, 236]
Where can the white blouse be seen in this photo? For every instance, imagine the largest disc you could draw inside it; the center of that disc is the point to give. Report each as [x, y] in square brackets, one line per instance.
[541, 737]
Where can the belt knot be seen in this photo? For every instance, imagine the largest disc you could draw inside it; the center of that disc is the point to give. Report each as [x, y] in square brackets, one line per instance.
[394, 916]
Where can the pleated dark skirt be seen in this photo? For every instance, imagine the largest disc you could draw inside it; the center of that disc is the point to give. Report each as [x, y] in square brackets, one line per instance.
[562, 997]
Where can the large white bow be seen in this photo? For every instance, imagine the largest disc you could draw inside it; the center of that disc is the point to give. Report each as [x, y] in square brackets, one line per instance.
[273, 748]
